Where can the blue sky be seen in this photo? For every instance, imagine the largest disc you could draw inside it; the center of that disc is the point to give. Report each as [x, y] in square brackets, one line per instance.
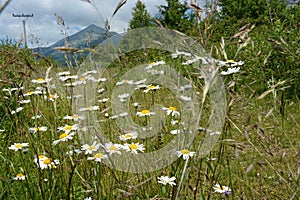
[77, 15]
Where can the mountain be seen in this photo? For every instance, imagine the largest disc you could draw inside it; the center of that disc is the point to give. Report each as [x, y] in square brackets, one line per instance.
[86, 38]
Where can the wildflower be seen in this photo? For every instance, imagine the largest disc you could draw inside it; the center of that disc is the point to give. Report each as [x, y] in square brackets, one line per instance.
[101, 90]
[64, 137]
[230, 63]
[222, 189]
[166, 180]
[90, 108]
[128, 136]
[51, 97]
[89, 72]
[153, 64]
[89, 149]
[33, 92]
[140, 82]
[174, 122]
[36, 117]
[124, 114]
[41, 80]
[2, 130]
[145, 113]
[185, 153]
[156, 72]
[88, 198]
[103, 100]
[47, 163]
[36, 129]
[68, 128]
[74, 117]
[64, 78]
[11, 89]
[130, 82]
[17, 110]
[18, 146]
[112, 148]
[185, 98]
[185, 87]
[152, 88]
[174, 132]
[25, 101]
[231, 71]
[171, 110]
[20, 177]
[134, 147]
[98, 157]
[123, 96]
[64, 73]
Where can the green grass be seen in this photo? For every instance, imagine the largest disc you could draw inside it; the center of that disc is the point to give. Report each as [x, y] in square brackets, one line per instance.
[257, 154]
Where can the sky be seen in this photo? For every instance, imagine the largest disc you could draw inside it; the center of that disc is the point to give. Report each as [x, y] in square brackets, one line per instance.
[77, 15]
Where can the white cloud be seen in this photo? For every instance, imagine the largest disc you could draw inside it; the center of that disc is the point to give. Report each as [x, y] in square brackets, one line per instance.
[76, 13]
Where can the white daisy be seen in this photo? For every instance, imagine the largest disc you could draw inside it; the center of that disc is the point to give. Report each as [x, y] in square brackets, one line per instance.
[171, 110]
[98, 157]
[64, 137]
[36, 129]
[20, 177]
[128, 136]
[134, 147]
[145, 113]
[41, 80]
[18, 146]
[130, 82]
[68, 128]
[112, 148]
[152, 88]
[90, 108]
[166, 180]
[231, 71]
[89, 149]
[185, 153]
[222, 189]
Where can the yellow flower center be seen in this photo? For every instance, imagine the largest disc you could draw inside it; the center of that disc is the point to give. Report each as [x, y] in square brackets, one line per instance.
[185, 151]
[63, 135]
[91, 148]
[172, 108]
[67, 127]
[75, 116]
[151, 87]
[51, 96]
[133, 146]
[99, 155]
[82, 78]
[20, 175]
[47, 161]
[29, 93]
[153, 63]
[113, 148]
[230, 61]
[128, 135]
[145, 112]
[40, 79]
[18, 146]
[41, 156]
[125, 81]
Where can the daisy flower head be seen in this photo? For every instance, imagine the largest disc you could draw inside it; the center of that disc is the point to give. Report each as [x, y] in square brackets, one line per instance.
[171, 111]
[152, 88]
[44, 162]
[222, 189]
[130, 82]
[33, 92]
[17, 110]
[128, 136]
[25, 101]
[104, 100]
[19, 177]
[89, 149]
[98, 157]
[185, 153]
[166, 180]
[52, 97]
[231, 71]
[64, 137]
[89, 108]
[112, 148]
[36, 129]
[145, 113]
[64, 73]
[68, 128]
[18, 146]
[153, 64]
[134, 147]
[41, 80]
[74, 117]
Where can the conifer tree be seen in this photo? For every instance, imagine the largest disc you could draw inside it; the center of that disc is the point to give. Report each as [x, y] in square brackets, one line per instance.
[140, 16]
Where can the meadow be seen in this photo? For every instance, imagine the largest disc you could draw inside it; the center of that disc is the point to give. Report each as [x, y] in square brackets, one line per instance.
[85, 132]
